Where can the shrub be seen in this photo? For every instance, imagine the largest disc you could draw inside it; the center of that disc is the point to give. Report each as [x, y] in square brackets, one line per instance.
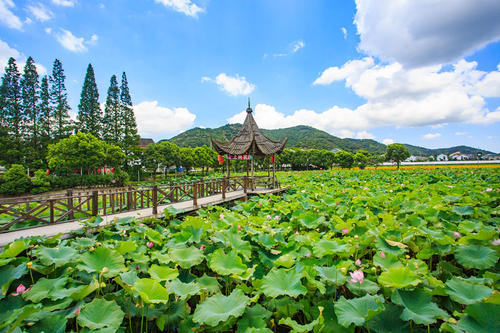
[40, 182]
[15, 181]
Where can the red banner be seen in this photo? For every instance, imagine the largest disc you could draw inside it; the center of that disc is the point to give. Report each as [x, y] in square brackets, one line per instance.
[239, 157]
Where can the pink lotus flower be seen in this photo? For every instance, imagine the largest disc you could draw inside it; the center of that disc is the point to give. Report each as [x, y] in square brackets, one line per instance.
[20, 290]
[137, 267]
[260, 204]
[303, 191]
[221, 216]
[308, 254]
[357, 276]
[297, 233]
[357, 246]
[239, 227]
[495, 242]
[390, 191]
[276, 217]
[141, 224]
[268, 217]
[358, 262]
[202, 247]
[456, 234]
[337, 203]
[270, 199]
[345, 231]
[489, 189]
[343, 191]
[77, 311]
[150, 244]
[382, 254]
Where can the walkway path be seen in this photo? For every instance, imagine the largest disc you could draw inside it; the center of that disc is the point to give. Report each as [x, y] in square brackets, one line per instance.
[67, 228]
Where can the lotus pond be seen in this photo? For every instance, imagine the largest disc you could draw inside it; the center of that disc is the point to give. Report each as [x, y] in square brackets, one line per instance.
[341, 251]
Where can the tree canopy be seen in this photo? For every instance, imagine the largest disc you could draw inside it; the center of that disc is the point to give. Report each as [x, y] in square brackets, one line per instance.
[397, 152]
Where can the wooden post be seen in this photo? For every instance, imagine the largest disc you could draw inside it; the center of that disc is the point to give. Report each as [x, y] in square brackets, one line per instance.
[227, 166]
[245, 184]
[51, 208]
[171, 196]
[274, 171]
[95, 203]
[69, 194]
[155, 199]
[129, 199]
[224, 188]
[195, 194]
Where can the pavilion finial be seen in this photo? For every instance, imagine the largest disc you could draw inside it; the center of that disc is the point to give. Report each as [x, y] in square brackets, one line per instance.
[249, 109]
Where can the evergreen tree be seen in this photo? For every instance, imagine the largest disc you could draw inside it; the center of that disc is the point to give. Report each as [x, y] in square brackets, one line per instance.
[46, 115]
[89, 110]
[29, 89]
[59, 101]
[112, 121]
[11, 116]
[130, 137]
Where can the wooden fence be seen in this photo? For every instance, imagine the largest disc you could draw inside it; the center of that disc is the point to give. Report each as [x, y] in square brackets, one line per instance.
[78, 204]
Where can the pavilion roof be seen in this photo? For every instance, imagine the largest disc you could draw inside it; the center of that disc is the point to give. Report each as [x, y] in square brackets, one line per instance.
[249, 140]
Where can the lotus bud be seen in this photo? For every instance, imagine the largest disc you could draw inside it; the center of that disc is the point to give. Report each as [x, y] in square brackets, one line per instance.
[98, 243]
[91, 249]
[452, 320]
[456, 234]
[407, 257]
[127, 262]
[308, 254]
[374, 269]
[382, 254]
[345, 231]
[320, 308]
[356, 236]
[239, 227]
[296, 233]
[70, 269]
[202, 247]
[32, 246]
[77, 311]
[103, 285]
[29, 264]
[105, 270]
[137, 267]
[358, 262]
[343, 270]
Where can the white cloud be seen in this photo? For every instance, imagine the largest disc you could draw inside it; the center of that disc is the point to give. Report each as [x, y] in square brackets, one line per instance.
[65, 3]
[40, 12]
[71, 42]
[297, 45]
[6, 52]
[7, 17]
[460, 133]
[426, 32]
[351, 71]
[388, 141]
[344, 32]
[186, 7]
[234, 85]
[293, 47]
[431, 136]
[364, 135]
[157, 121]
[102, 6]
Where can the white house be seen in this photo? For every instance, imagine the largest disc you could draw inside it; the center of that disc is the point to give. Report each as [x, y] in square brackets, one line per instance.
[442, 157]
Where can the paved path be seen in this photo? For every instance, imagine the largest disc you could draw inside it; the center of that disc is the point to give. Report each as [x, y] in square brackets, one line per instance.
[66, 228]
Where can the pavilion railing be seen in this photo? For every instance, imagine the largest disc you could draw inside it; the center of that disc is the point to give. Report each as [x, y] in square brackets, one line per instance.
[25, 212]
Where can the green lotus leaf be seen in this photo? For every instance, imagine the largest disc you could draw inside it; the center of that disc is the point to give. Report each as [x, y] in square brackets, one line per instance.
[481, 317]
[331, 275]
[9, 273]
[463, 210]
[129, 277]
[58, 256]
[46, 288]
[283, 282]
[101, 314]
[266, 240]
[14, 317]
[208, 283]
[151, 291]
[388, 262]
[172, 317]
[418, 306]
[75, 293]
[255, 317]
[389, 320]
[183, 290]
[296, 327]
[219, 308]
[382, 245]
[81, 243]
[126, 246]
[57, 305]
[286, 260]
[104, 261]
[357, 311]
[153, 236]
[310, 220]
[162, 273]
[239, 245]
[54, 323]
[476, 256]
[327, 247]
[398, 277]
[367, 287]
[227, 264]
[13, 249]
[465, 292]
[186, 257]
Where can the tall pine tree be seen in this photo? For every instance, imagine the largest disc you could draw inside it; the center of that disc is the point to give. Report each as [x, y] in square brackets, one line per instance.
[59, 101]
[89, 110]
[46, 115]
[12, 116]
[112, 119]
[29, 89]
[130, 137]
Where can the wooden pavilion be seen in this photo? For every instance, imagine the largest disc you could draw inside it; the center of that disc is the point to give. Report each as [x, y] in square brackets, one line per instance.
[248, 144]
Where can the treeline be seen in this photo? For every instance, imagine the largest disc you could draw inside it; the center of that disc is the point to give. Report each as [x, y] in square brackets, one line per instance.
[34, 113]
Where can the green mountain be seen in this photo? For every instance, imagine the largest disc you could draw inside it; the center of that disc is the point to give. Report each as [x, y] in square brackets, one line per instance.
[306, 137]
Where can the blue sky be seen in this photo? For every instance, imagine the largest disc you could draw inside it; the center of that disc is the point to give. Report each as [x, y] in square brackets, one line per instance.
[425, 73]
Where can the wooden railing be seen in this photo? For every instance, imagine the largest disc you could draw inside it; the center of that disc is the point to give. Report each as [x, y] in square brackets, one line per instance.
[24, 212]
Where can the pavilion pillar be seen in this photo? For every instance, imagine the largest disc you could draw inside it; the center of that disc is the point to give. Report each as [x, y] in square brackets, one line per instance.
[227, 167]
[274, 170]
[251, 163]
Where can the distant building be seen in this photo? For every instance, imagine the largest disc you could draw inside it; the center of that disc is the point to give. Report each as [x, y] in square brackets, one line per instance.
[442, 157]
[143, 143]
[458, 156]
[416, 159]
[335, 150]
[491, 157]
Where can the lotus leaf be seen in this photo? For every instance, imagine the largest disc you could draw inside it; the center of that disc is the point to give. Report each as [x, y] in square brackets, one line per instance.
[398, 277]
[101, 314]
[358, 310]
[389, 320]
[255, 317]
[240, 246]
[104, 261]
[227, 264]
[186, 257]
[476, 256]
[465, 292]
[151, 291]
[326, 247]
[162, 273]
[219, 308]
[46, 288]
[183, 290]
[331, 275]
[208, 283]
[283, 282]
[126, 246]
[481, 317]
[10, 273]
[58, 256]
[296, 327]
[286, 260]
[418, 306]
[54, 324]
[367, 287]
[13, 249]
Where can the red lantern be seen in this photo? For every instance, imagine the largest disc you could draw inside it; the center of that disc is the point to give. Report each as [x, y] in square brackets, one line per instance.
[94, 170]
[99, 170]
[47, 172]
[75, 171]
[112, 170]
[220, 158]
